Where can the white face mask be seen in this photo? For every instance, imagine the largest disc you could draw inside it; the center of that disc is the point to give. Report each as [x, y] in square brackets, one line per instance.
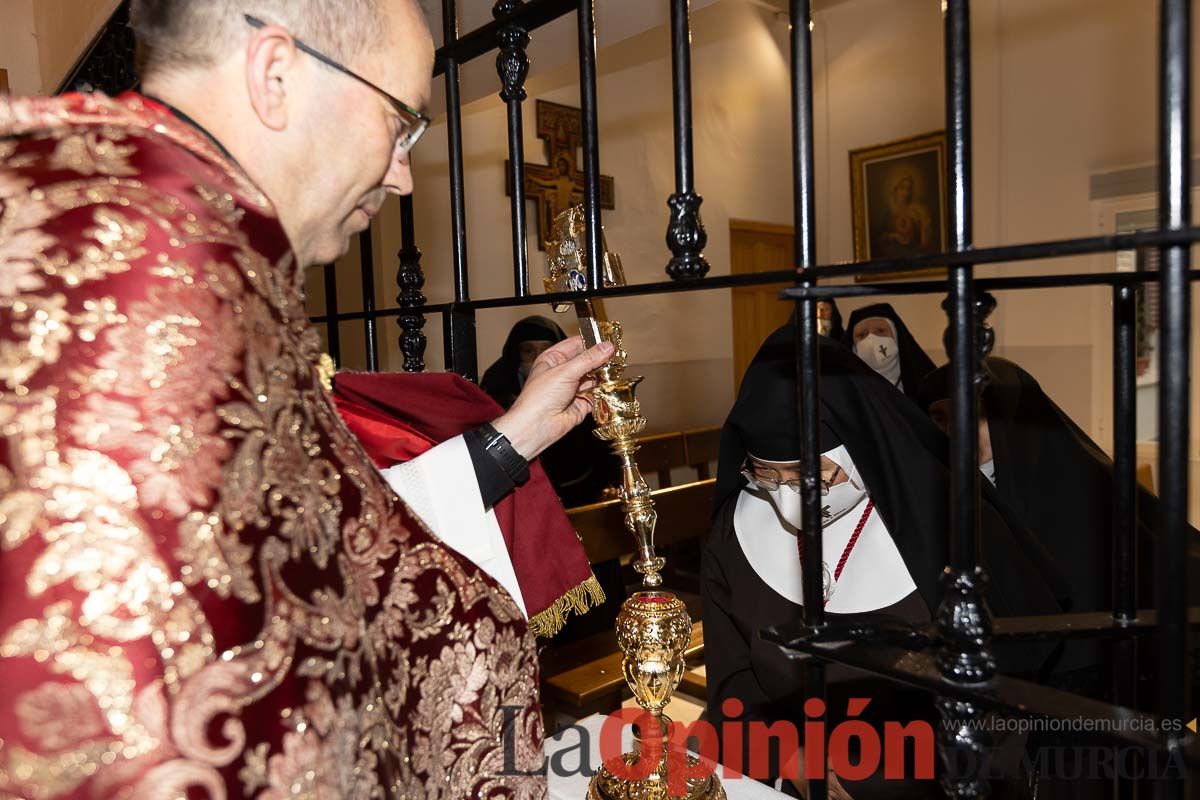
[787, 502]
[824, 326]
[879, 352]
[838, 502]
[840, 499]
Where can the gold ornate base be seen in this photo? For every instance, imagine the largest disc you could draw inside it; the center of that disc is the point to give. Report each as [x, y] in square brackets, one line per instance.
[606, 786]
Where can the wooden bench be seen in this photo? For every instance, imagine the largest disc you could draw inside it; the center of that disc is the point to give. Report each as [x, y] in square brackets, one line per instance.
[584, 677]
[659, 454]
[1145, 476]
[683, 514]
[701, 447]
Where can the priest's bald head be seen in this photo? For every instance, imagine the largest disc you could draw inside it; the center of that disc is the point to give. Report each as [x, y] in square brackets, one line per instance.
[318, 100]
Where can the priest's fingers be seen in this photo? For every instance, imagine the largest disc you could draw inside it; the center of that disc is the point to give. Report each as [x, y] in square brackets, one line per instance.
[536, 420]
[558, 354]
[588, 360]
[578, 410]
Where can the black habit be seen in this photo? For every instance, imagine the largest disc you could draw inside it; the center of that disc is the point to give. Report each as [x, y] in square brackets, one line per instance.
[902, 458]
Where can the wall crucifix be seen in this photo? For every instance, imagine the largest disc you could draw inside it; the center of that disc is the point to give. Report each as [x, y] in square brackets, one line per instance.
[558, 184]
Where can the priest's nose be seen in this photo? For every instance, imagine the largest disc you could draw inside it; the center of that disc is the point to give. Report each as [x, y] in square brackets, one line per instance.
[399, 179]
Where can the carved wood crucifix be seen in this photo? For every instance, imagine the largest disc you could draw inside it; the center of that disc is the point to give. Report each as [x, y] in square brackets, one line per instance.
[558, 184]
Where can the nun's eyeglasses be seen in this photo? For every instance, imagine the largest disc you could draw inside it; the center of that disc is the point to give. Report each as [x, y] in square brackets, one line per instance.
[774, 479]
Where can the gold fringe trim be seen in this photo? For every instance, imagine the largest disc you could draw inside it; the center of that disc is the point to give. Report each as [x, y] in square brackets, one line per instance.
[580, 599]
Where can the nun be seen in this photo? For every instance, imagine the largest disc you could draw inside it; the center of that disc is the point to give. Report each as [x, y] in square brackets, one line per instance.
[1060, 482]
[579, 466]
[882, 340]
[829, 319]
[885, 493]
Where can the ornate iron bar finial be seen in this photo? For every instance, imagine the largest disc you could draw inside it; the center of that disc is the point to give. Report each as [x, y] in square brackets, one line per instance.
[686, 236]
[512, 64]
[411, 280]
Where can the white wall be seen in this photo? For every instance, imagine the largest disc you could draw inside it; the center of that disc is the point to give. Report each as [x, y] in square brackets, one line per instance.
[1062, 89]
[41, 40]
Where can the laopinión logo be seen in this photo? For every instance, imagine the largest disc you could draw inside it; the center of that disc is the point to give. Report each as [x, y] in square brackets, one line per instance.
[759, 740]
[853, 749]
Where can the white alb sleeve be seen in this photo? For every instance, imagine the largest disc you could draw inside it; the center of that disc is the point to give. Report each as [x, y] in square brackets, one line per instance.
[440, 487]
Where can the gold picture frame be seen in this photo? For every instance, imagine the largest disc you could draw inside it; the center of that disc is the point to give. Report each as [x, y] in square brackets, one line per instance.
[898, 202]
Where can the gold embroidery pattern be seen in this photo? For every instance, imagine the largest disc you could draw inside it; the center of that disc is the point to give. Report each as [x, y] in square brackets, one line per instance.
[204, 579]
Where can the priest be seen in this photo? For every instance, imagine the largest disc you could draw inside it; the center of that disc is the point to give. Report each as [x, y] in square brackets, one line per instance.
[206, 587]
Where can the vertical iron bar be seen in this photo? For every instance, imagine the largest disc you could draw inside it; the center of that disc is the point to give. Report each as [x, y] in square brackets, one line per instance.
[458, 331]
[460, 325]
[1174, 213]
[963, 617]
[965, 453]
[1124, 531]
[1124, 522]
[808, 350]
[591, 141]
[332, 333]
[807, 346]
[513, 66]
[686, 236]
[458, 214]
[411, 280]
[366, 257]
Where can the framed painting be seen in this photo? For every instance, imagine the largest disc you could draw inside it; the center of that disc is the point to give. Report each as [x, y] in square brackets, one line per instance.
[898, 200]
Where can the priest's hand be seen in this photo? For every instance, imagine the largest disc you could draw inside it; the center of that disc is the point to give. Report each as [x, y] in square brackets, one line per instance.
[556, 397]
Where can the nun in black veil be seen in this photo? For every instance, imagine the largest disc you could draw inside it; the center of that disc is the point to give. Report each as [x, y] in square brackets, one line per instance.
[579, 465]
[886, 493]
[884, 343]
[1060, 482]
[829, 319]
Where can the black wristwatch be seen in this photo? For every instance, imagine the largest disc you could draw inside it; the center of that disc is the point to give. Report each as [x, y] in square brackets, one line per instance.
[496, 445]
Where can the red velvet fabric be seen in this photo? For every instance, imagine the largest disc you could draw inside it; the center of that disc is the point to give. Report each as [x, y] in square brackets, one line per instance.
[397, 416]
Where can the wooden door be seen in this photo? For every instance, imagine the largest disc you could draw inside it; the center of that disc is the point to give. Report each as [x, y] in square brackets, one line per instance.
[757, 310]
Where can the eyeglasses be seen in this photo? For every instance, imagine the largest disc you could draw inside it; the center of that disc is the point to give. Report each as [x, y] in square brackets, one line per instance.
[412, 122]
[771, 482]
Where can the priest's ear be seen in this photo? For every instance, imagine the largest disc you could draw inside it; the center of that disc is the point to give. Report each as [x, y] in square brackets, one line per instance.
[273, 66]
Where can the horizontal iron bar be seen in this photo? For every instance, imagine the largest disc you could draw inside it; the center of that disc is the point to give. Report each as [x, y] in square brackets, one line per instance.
[991, 255]
[1085, 625]
[981, 284]
[529, 16]
[1012, 695]
[1088, 625]
[1060, 248]
[780, 276]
